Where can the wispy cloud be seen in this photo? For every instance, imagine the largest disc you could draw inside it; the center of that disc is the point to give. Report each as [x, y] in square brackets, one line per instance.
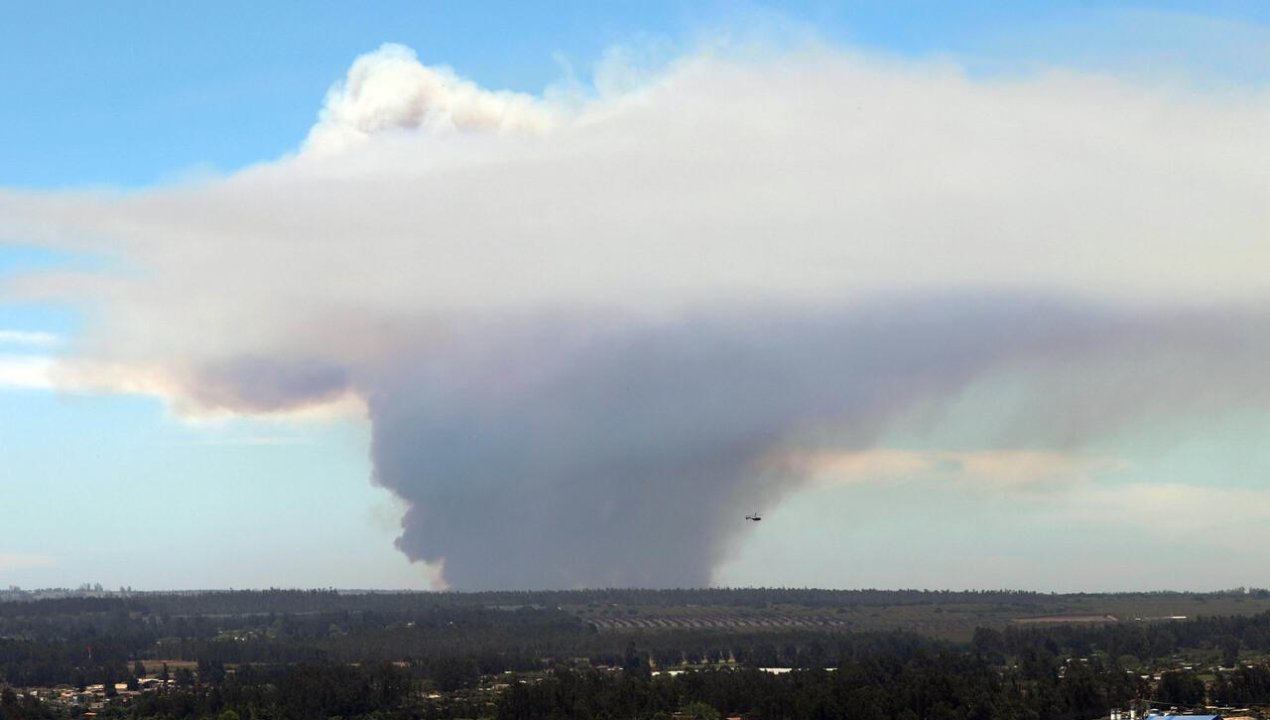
[255, 441]
[26, 372]
[1037, 471]
[26, 338]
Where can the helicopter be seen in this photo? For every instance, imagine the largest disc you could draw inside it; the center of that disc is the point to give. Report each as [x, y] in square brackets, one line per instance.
[755, 517]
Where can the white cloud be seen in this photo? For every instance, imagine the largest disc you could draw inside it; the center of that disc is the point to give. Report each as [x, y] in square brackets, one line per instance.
[390, 91]
[26, 372]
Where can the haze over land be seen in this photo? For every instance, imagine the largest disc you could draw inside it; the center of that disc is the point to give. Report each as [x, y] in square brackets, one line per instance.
[942, 325]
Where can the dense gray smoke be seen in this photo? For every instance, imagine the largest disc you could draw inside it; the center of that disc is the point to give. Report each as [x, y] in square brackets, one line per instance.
[601, 455]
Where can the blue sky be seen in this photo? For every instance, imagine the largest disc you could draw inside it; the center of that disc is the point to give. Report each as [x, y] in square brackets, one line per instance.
[118, 488]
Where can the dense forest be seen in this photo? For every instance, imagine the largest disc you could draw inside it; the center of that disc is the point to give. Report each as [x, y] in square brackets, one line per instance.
[314, 654]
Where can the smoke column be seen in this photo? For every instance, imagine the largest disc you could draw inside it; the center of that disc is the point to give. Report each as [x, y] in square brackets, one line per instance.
[591, 337]
[629, 456]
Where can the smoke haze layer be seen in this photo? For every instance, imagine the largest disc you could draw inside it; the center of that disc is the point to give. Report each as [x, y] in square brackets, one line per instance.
[590, 338]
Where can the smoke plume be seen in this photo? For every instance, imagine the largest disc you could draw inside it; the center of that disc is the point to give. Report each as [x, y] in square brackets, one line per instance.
[589, 339]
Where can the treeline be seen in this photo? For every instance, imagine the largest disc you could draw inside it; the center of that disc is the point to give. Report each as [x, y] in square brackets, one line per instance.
[13, 707]
[920, 682]
[1225, 637]
[263, 602]
[206, 615]
[299, 692]
[79, 662]
[936, 684]
[895, 676]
